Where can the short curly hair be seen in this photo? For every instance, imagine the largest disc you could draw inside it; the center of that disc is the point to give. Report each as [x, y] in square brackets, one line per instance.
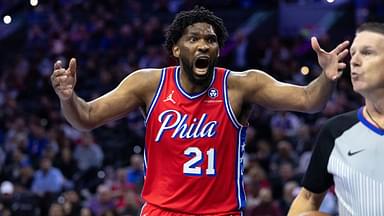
[186, 18]
[371, 27]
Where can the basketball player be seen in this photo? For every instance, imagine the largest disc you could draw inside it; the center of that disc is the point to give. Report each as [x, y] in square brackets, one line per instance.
[195, 115]
[349, 150]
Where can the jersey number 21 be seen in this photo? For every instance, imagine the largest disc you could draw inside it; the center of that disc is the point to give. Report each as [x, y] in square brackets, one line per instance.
[191, 167]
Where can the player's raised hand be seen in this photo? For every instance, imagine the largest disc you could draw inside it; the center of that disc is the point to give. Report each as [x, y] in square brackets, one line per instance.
[331, 62]
[64, 80]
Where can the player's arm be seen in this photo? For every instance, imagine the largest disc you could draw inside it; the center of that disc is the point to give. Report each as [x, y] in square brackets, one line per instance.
[306, 201]
[263, 89]
[127, 96]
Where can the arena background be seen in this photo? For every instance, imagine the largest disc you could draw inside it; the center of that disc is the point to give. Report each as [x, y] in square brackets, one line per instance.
[100, 172]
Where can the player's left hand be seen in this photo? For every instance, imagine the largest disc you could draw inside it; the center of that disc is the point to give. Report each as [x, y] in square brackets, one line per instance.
[331, 62]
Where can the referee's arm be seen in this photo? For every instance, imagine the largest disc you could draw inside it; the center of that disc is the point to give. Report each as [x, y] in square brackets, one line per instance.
[306, 201]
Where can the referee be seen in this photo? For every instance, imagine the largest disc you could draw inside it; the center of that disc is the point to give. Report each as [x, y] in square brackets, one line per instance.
[349, 151]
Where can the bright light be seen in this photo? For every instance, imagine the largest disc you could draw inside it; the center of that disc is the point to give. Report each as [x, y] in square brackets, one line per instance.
[34, 2]
[7, 19]
[330, 1]
[304, 70]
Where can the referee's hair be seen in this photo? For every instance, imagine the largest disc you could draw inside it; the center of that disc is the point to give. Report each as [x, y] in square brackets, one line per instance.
[185, 18]
[371, 27]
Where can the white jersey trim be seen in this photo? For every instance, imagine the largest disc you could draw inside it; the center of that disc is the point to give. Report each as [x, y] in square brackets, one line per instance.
[186, 94]
[228, 107]
[156, 97]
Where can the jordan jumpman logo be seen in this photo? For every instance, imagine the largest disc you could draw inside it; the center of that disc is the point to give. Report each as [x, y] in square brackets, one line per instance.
[169, 98]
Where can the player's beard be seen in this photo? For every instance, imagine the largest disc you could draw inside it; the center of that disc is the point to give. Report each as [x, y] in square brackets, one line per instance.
[198, 80]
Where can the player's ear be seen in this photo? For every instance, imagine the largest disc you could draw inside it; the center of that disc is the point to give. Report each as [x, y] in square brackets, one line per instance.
[218, 53]
[176, 51]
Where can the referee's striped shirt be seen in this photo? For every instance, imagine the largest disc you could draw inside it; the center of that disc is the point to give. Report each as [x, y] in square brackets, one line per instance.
[349, 153]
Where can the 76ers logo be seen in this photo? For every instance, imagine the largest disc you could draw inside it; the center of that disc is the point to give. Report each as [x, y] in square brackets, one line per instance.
[213, 93]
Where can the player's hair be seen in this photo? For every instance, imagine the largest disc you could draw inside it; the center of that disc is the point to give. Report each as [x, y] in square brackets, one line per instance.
[186, 18]
[371, 27]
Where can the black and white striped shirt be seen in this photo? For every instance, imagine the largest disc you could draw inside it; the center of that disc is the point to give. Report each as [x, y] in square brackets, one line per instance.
[349, 153]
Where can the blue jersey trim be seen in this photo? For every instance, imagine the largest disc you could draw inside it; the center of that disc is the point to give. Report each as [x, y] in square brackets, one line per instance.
[145, 160]
[155, 98]
[228, 107]
[186, 94]
[240, 192]
[241, 198]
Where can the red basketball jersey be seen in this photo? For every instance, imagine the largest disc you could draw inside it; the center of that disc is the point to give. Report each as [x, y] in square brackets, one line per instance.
[194, 148]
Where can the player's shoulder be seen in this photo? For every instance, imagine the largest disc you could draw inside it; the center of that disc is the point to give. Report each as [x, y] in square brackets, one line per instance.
[147, 73]
[247, 81]
[246, 73]
[142, 81]
[146, 77]
[241, 78]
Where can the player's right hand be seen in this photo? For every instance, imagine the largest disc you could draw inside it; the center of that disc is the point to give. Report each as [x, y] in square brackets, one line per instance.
[331, 62]
[64, 80]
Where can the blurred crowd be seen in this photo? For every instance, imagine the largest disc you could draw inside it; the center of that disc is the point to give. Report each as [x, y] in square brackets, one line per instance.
[49, 168]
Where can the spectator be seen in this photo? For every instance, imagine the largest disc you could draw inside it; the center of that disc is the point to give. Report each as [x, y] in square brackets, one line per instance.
[285, 154]
[289, 193]
[48, 182]
[266, 205]
[89, 157]
[56, 210]
[6, 193]
[135, 172]
[66, 163]
[102, 201]
[72, 203]
[25, 175]
[85, 211]
[87, 153]
[256, 179]
[47, 179]
[37, 140]
[15, 200]
[285, 125]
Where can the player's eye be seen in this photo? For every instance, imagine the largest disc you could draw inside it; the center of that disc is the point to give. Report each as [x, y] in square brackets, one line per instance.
[212, 40]
[193, 39]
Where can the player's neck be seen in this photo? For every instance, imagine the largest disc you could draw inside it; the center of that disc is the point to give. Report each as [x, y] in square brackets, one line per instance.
[189, 85]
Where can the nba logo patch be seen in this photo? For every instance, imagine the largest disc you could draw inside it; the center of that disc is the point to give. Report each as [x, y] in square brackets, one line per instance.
[213, 93]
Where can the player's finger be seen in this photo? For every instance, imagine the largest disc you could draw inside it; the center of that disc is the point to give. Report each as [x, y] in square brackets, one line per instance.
[54, 82]
[338, 75]
[340, 47]
[58, 72]
[62, 78]
[72, 66]
[55, 74]
[64, 87]
[315, 45]
[57, 65]
[59, 77]
[343, 54]
[341, 66]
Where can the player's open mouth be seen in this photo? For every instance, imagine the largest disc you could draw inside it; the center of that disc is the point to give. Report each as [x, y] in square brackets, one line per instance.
[201, 65]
